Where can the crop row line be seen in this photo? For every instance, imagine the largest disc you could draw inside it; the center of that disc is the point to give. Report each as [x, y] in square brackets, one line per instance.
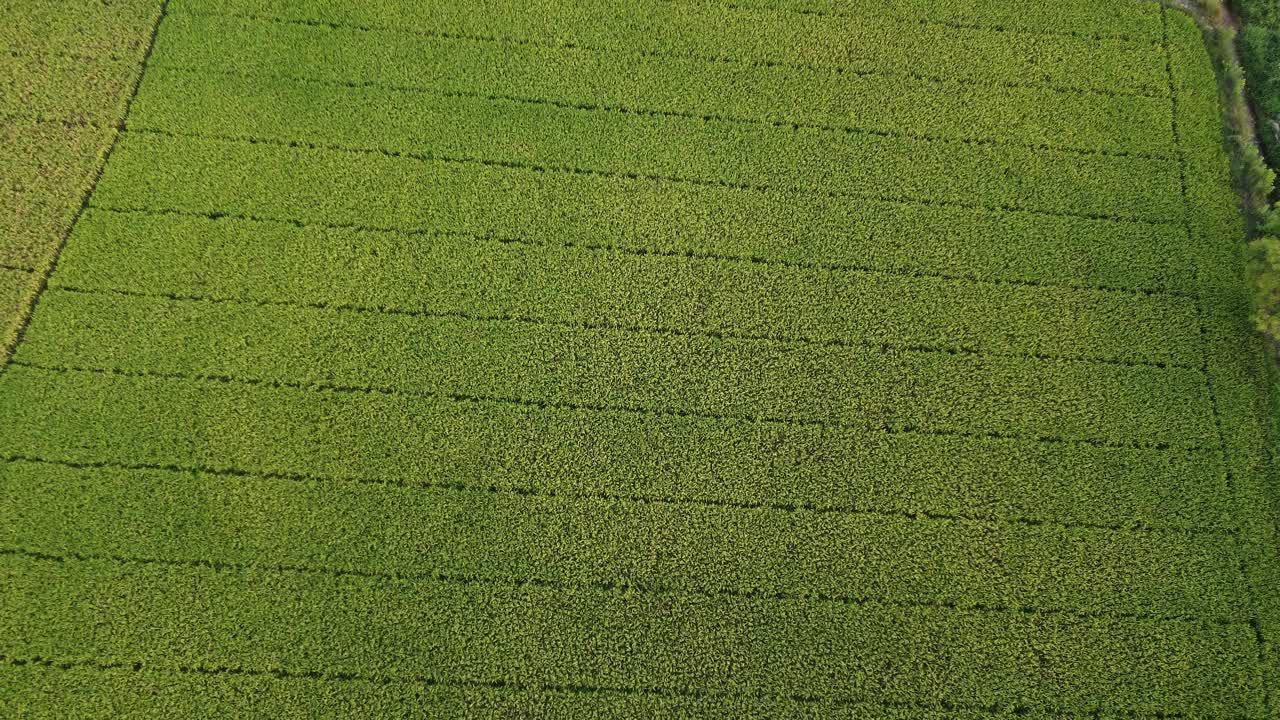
[1011, 709]
[16, 268]
[70, 122]
[1229, 477]
[28, 308]
[468, 398]
[624, 588]
[799, 507]
[1096, 37]
[689, 254]
[791, 125]
[723, 59]
[32, 54]
[430, 157]
[883, 347]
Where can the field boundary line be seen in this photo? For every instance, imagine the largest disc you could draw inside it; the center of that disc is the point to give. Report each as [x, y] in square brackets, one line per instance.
[1097, 38]
[882, 346]
[792, 125]
[797, 507]
[724, 59]
[639, 251]
[428, 157]
[508, 686]
[466, 398]
[625, 588]
[28, 308]
[1229, 479]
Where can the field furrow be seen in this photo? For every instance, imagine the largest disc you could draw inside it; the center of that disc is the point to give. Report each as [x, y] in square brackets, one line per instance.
[872, 45]
[860, 388]
[825, 557]
[1038, 117]
[137, 689]
[571, 140]
[1100, 20]
[86, 417]
[541, 633]
[435, 273]
[378, 191]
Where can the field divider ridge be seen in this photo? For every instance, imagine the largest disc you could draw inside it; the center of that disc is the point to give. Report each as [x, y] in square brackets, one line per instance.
[1098, 37]
[533, 491]
[882, 346]
[28, 308]
[792, 125]
[510, 686]
[885, 429]
[833, 69]
[643, 252]
[626, 588]
[701, 182]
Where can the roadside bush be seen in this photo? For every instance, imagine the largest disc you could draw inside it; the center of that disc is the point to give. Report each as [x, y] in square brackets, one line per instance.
[1254, 175]
[1260, 56]
[1265, 262]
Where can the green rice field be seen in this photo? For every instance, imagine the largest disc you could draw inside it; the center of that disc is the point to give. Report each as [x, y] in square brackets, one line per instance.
[627, 359]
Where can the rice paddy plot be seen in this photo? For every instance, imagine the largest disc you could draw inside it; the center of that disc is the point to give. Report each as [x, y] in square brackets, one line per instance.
[658, 358]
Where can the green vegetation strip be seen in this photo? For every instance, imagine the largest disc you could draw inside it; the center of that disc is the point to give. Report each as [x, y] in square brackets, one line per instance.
[827, 557]
[870, 44]
[1239, 370]
[568, 139]
[467, 629]
[87, 417]
[637, 83]
[280, 263]
[863, 388]
[374, 190]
